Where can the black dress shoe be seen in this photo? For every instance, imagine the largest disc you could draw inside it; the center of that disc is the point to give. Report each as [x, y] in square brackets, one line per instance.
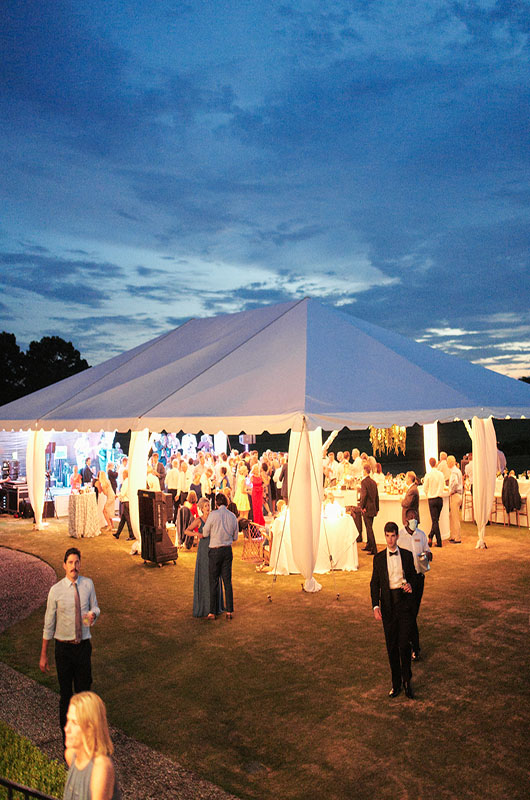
[116, 535]
[394, 692]
[408, 691]
[366, 549]
[130, 539]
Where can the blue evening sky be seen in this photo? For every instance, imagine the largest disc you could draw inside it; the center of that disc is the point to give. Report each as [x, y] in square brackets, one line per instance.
[162, 160]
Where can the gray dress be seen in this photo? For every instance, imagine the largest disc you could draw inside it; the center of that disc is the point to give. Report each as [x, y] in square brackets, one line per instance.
[78, 783]
[201, 583]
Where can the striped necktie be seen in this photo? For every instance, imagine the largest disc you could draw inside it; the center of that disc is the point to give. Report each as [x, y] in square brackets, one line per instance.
[78, 624]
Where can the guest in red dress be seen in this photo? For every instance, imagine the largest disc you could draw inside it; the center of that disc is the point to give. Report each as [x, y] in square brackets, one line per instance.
[257, 495]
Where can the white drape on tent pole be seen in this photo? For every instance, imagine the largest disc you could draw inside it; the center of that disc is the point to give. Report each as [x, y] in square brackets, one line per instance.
[430, 443]
[305, 500]
[220, 443]
[484, 473]
[36, 473]
[138, 450]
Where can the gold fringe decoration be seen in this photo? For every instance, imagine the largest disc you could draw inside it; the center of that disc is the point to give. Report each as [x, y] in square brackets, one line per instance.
[386, 439]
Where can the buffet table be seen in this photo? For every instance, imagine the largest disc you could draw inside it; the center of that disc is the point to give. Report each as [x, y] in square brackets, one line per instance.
[390, 511]
[338, 534]
[83, 518]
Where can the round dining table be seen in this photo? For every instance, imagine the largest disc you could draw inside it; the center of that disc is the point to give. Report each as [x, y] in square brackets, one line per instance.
[337, 540]
[83, 520]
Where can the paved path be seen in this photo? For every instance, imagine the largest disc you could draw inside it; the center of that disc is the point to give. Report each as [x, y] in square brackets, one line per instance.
[32, 709]
[24, 585]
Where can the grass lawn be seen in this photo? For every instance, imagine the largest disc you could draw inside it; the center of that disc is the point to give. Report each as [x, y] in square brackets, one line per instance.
[289, 699]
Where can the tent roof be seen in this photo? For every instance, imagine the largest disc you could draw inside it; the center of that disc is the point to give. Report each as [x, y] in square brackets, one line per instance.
[267, 369]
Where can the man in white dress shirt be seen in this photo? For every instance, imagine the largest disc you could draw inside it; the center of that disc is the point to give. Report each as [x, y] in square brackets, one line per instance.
[391, 590]
[443, 466]
[357, 464]
[456, 489]
[71, 610]
[433, 486]
[413, 539]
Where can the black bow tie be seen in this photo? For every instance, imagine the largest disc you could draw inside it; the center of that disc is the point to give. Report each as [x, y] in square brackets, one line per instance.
[393, 553]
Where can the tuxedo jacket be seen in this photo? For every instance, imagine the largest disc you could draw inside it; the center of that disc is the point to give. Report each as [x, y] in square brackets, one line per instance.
[87, 474]
[411, 500]
[369, 500]
[379, 585]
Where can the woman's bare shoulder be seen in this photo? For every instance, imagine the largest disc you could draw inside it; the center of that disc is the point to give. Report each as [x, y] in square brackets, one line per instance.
[102, 781]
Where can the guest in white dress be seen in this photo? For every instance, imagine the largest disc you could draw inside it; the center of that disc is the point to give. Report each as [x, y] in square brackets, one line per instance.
[106, 501]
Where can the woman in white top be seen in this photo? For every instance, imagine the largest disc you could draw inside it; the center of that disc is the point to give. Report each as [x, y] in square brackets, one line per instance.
[106, 501]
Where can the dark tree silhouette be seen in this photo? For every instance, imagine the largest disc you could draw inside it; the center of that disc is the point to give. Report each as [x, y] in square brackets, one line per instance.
[45, 362]
[50, 360]
[12, 372]
[526, 379]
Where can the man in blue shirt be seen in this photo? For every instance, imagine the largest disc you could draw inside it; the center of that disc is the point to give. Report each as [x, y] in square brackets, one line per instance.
[222, 529]
[71, 610]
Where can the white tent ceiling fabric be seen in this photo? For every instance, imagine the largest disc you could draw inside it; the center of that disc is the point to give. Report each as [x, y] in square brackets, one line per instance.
[269, 369]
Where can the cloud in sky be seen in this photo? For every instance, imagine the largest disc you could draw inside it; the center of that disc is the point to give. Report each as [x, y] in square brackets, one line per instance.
[204, 158]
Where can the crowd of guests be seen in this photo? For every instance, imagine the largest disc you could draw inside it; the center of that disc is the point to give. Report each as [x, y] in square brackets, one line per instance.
[252, 484]
[213, 497]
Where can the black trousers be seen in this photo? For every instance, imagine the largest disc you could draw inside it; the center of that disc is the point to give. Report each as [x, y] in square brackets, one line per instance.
[398, 632]
[175, 494]
[125, 518]
[435, 509]
[74, 671]
[220, 566]
[370, 538]
[417, 595]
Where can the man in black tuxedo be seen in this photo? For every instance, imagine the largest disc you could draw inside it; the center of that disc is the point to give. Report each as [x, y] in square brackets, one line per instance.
[87, 473]
[393, 577]
[369, 505]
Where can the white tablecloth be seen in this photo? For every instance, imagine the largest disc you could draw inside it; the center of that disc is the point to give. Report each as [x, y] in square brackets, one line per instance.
[524, 486]
[390, 511]
[61, 500]
[83, 516]
[346, 497]
[339, 535]
[524, 491]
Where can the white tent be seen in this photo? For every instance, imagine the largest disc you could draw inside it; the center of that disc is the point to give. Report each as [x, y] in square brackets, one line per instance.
[298, 365]
[268, 369]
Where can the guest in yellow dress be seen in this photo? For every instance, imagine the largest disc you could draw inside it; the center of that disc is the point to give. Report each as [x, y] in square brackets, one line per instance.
[241, 495]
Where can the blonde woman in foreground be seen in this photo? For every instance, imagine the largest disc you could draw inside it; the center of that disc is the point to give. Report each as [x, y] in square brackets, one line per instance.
[87, 751]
